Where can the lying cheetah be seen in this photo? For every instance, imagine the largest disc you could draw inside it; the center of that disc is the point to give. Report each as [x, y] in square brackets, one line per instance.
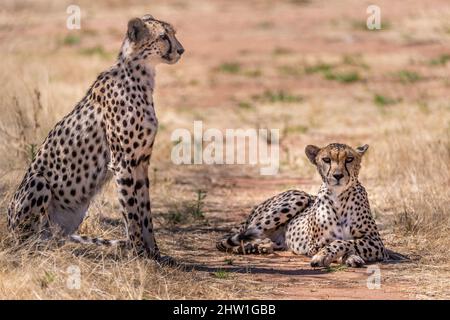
[335, 225]
[113, 127]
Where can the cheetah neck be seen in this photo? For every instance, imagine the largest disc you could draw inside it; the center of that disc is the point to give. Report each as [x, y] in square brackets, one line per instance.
[136, 70]
[140, 73]
[335, 197]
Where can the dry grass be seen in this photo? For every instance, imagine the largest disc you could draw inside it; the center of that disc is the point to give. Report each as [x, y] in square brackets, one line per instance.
[303, 83]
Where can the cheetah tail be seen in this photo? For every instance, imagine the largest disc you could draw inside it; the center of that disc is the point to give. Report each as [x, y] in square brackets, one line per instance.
[97, 241]
[395, 256]
[235, 240]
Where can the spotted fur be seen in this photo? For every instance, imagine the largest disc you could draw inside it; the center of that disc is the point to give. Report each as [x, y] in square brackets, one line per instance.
[267, 221]
[113, 127]
[336, 225]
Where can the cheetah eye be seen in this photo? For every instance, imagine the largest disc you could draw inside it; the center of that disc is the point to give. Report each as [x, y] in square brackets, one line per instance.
[326, 160]
[349, 159]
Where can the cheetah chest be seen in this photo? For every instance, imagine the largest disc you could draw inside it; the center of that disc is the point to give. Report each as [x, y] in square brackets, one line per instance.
[334, 222]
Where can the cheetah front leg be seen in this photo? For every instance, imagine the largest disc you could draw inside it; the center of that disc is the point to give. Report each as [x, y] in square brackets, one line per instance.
[354, 253]
[133, 189]
[142, 189]
[333, 251]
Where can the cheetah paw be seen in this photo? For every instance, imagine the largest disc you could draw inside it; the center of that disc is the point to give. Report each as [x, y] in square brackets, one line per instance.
[321, 260]
[265, 247]
[354, 261]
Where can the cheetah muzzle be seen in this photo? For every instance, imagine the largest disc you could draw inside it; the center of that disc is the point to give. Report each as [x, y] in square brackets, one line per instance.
[113, 129]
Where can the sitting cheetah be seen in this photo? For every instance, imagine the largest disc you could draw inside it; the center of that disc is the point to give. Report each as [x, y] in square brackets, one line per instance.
[335, 225]
[113, 127]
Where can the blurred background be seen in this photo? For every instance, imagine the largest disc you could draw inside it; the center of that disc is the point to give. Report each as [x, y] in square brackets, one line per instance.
[309, 68]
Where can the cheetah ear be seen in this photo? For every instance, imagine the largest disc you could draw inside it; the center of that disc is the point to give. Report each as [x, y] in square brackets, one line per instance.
[361, 150]
[147, 17]
[137, 30]
[311, 152]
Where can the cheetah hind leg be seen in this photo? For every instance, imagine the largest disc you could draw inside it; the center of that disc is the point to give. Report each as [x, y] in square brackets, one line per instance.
[28, 213]
[261, 246]
[231, 242]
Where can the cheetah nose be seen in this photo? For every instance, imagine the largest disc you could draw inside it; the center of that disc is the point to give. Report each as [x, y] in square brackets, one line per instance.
[180, 51]
[338, 176]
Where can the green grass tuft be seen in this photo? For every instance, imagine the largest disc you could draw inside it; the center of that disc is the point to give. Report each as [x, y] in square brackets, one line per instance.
[320, 67]
[279, 96]
[245, 105]
[406, 76]
[337, 268]
[230, 67]
[343, 77]
[441, 60]
[381, 100]
[222, 274]
[296, 129]
[187, 211]
[71, 40]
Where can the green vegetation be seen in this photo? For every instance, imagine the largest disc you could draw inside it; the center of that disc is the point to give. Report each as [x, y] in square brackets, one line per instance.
[441, 60]
[235, 68]
[197, 211]
[245, 105]
[317, 68]
[340, 267]
[46, 279]
[295, 129]
[330, 72]
[279, 96]
[344, 77]
[381, 100]
[230, 67]
[71, 40]
[95, 51]
[406, 76]
[187, 211]
[221, 274]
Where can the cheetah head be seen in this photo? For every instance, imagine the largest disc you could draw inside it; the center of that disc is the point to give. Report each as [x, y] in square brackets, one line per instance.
[151, 40]
[338, 164]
